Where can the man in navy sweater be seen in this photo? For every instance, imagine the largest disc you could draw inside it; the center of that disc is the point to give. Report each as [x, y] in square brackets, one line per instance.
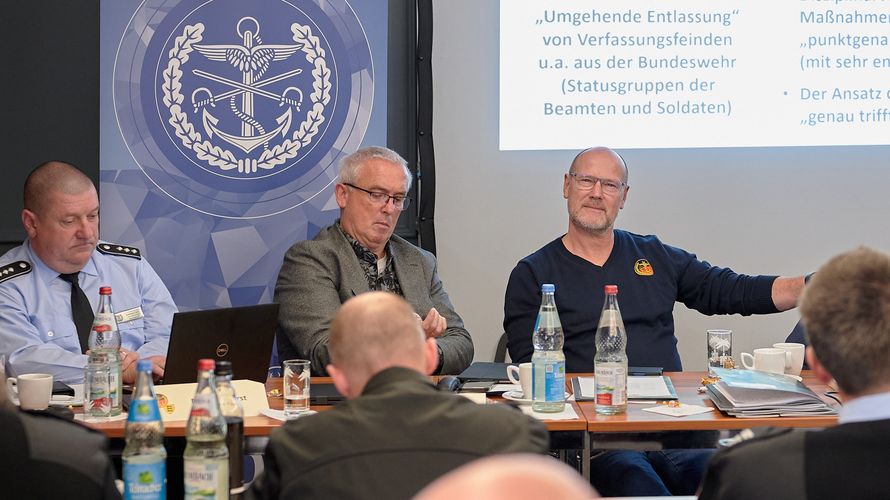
[651, 277]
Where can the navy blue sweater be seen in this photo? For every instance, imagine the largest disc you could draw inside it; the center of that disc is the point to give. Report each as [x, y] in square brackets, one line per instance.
[650, 275]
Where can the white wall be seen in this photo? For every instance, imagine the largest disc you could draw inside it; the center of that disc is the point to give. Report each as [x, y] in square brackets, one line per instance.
[759, 211]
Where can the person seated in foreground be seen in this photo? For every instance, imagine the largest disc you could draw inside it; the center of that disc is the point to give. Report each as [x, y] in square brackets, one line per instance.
[396, 433]
[510, 477]
[846, 311]
[49, 286]
[360, 253]
[44, 456]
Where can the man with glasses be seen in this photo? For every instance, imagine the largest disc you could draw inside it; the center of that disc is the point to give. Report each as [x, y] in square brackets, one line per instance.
[651, 277]
[357, 254]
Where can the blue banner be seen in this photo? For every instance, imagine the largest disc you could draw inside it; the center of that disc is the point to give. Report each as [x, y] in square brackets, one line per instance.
[222, 125]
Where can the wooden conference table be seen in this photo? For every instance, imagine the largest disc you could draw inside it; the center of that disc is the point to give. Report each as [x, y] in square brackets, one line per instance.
[635, 420]
[587, 431]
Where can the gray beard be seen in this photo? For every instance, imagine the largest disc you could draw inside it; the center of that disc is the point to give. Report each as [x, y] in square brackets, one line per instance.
[592, 228]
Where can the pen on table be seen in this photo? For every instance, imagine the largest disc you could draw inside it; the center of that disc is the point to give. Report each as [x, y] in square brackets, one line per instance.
[644, 373]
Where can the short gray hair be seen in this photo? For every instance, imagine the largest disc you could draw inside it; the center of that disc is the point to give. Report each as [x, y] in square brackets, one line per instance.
[351, 163]
[846, 313]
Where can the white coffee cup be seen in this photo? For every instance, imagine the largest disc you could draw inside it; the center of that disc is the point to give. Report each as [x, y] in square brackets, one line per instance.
[31, 391]
[521, 375]
[795, 362]
[767, 359]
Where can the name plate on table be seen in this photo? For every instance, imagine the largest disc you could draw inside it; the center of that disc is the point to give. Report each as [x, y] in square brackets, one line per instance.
[639, 388]
[175, 400]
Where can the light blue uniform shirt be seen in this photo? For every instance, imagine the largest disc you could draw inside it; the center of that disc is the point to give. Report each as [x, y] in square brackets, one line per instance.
[866, 409]
[37, 333]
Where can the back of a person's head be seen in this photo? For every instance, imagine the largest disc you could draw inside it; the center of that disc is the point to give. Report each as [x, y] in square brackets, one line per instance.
[53, 176]
[846, 312]
[375, 331]
[510, 477]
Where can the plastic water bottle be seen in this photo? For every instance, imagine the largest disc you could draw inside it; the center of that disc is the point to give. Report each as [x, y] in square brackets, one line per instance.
[206, 458]
[105, 348]
[548, 361]
[232, 411]
[144, 457]
[610, 362]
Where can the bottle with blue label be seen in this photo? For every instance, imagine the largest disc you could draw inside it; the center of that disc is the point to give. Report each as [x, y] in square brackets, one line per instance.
[548, 360]
[144, 457]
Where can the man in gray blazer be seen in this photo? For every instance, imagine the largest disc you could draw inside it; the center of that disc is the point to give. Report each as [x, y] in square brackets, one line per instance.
[357, 254]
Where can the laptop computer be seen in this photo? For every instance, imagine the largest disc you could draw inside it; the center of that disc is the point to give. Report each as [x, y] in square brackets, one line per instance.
[242, 335]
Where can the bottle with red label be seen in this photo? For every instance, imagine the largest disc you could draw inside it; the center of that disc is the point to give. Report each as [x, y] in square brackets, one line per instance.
[104, 351]
[610, 362]
[206, 457]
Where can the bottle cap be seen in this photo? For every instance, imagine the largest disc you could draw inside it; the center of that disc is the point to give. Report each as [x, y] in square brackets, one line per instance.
[143, 365]
[206, 364]
[548, 288]
[611, 289]
[105, 290]
[223, 368]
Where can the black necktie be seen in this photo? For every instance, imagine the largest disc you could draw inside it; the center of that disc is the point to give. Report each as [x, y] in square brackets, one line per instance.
[81, 311]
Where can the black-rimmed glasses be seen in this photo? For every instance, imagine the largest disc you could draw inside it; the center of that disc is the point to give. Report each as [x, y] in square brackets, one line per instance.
[379, 198]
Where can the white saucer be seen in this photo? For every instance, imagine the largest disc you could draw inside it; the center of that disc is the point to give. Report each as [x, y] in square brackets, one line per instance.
[517, 396]
[795, 377]
[65, 401]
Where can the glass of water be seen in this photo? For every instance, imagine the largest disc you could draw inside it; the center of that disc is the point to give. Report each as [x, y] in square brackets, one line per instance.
[97, 392]
[296, 387]
[719, 350]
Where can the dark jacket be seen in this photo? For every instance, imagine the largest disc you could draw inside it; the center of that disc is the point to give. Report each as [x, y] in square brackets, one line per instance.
[42, 456]
[400, 435]
[848, 461]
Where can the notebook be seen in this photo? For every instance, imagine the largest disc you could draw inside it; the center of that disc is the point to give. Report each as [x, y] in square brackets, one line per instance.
[242, 335]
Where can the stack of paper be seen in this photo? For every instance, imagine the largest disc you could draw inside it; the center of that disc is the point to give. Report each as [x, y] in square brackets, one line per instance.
[751, 393]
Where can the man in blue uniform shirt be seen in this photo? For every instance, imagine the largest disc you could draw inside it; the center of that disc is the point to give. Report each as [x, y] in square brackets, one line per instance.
[38, 280]
[651, 277]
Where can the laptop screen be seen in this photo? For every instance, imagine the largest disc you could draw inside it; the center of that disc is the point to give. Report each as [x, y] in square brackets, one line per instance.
[242, 335]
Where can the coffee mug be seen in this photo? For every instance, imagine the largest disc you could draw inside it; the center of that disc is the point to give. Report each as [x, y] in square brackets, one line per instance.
[767, 359]
[795, 362]
[521, 375]
[31, 391]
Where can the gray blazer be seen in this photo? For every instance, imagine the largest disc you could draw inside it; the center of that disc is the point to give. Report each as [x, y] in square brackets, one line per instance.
[320, 274]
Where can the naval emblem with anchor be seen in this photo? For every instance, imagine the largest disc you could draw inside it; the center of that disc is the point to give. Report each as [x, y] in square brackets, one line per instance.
[252, 58]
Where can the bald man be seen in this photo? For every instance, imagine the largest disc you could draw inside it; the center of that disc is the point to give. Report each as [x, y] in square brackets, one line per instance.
[49, 286]
[396, 433]
[510, 477]
[651, 277]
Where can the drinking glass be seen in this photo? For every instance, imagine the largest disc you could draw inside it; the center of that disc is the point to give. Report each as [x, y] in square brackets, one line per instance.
[296, 387]
[97, 392]
[275, 392]
[719, 349]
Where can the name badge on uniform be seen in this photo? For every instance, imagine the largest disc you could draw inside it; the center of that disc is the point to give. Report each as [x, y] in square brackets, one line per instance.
[129, 315]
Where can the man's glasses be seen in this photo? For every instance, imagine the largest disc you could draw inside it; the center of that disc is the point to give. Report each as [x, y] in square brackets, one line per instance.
[398, 201]
[588, 182]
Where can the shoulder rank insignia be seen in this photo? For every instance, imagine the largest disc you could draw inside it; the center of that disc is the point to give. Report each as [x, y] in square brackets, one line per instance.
[11, 270]
[119, 250]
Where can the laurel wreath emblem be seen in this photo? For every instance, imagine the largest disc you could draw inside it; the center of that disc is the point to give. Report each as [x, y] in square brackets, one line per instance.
[223, 158]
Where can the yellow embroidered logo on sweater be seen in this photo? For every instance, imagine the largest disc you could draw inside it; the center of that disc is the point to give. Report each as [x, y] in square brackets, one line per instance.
[643, 268]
